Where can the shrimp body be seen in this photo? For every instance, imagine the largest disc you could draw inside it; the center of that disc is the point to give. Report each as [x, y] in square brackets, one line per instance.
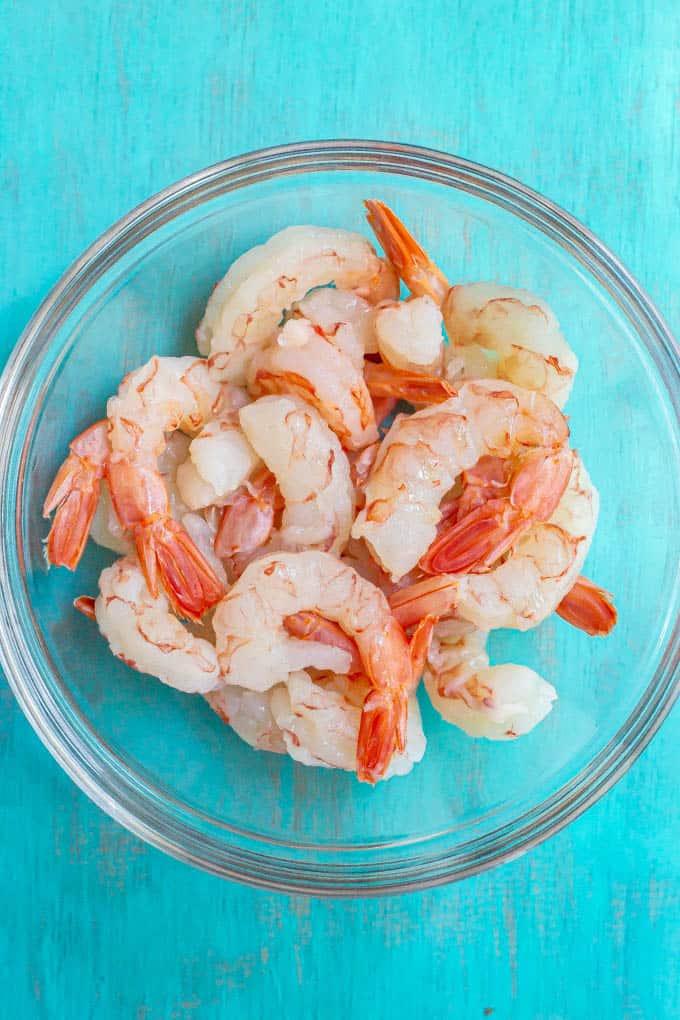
[529, 584]
[143, 632]
[220, 459]
[519, 328]
[304, 363]
[250, 716]
[255, 649]
[344, 318]
[311, 470]
[164, 395]
[497, 702]
[422, 456]
[246, 307]
[409, 335]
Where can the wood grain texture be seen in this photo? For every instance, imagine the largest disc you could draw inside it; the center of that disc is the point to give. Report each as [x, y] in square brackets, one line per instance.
[102, 103]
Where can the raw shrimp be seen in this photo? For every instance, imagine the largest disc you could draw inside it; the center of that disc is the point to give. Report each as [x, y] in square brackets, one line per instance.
[422, 456]
[220, 459]
[74, 494]
[529, 584]
[519, 329]
[256, 651]
[311, 470]
[409, 335]
[305, 363]
[246, 307]
[344, 318]
[496, 702]
[164, 395]
[143, 632]
[250, 716]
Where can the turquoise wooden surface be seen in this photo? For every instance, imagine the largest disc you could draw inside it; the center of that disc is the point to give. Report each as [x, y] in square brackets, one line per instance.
[104, 103]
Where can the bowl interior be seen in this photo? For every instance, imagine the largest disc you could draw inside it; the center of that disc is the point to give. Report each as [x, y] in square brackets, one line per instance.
[149, 301]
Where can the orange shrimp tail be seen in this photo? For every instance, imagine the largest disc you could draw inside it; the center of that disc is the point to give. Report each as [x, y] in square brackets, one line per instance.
[434, 596]
[418, 388]
[589, 608]
[419, 646]
[382, 731]
[248, 519]
[85, 605]
[74, 494]
[477, 540]
[411, 261]
[165, 549]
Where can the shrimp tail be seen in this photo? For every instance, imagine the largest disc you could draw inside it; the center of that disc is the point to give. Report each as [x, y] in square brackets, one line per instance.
[165, 550]
[382, 731]
[417, 270]
[417, 387]
[74, 495]
[419, 645]
[589, 608]
[476, 541]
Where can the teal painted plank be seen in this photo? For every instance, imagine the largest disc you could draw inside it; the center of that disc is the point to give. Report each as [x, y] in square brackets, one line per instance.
[103, 103]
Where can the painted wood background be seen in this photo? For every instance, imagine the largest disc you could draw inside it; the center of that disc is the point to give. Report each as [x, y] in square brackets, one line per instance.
[104, 102]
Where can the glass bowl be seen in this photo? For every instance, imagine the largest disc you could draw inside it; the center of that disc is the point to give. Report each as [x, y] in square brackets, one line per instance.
[161, 762]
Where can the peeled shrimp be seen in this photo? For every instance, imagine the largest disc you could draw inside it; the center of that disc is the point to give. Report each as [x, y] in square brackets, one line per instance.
[519, 329]
[256, 651]
[344, 318]
[409, 335]
[526, 587]
[220, 459]
[496, 702]
[310, 468]
[246, 307]
[422, 456]
[164, 395]
[143, 632]
[250, 716]
[305, 363]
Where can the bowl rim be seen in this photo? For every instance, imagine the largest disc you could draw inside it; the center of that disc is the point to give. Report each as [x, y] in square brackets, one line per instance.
[244, 859]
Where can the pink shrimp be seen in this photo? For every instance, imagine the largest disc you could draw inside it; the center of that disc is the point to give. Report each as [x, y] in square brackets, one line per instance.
[255, 649]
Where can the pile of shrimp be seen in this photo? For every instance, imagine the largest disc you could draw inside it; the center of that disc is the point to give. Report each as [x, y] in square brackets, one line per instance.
[300, 555]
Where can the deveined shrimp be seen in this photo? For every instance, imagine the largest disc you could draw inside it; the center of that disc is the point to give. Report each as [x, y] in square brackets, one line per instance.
[256, 651]
[520, 330]
[161, 396]
[303, 362]
[142, 631]
[311, 470]
[529, 584]
[246, 307]
[497, 702]
[409, 335]
[344, 318]
[422, 456]
[250, 716]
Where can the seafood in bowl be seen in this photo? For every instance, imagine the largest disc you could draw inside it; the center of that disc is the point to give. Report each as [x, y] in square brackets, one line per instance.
[300, 556]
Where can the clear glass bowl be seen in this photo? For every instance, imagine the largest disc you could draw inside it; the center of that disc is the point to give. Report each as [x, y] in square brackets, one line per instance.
[161, 762]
